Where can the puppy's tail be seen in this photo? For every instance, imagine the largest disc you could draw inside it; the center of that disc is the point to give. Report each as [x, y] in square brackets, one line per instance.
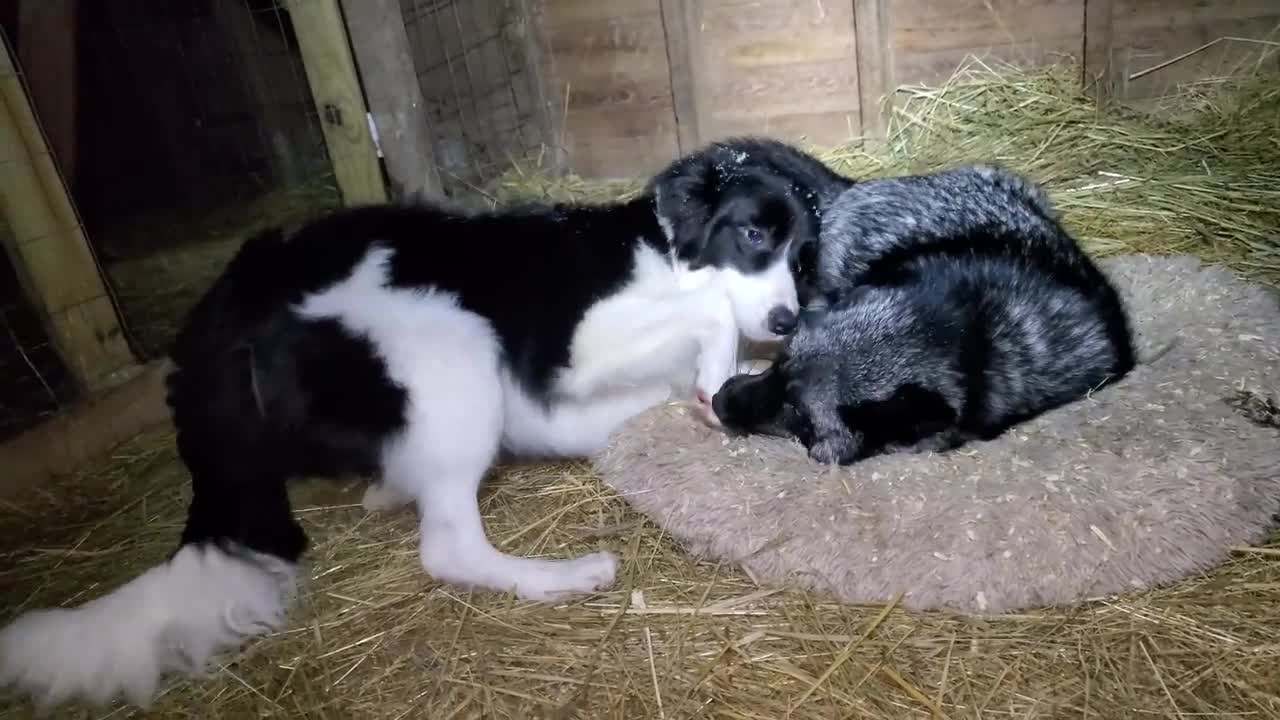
[232, 576]
[174, 617]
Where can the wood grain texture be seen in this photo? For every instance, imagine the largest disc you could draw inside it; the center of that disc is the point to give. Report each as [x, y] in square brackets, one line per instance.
[1098, 66]
[49, 248]
[335, 88]
[609, 75]
[385, 61]
[623, 158]
[876, 85]
[1149, 33]
[817, 71]
[85, 431]
[684, 61]
[786, 68]
[931, 38]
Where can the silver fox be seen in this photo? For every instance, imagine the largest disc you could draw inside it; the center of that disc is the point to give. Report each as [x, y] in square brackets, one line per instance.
[944, 308]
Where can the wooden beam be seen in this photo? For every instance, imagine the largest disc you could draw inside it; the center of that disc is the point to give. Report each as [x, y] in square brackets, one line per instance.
[1099, 74]
[335, 87]
[85, 431]
[682, 26]
[390, 82]
[876, 83]
[49, 249]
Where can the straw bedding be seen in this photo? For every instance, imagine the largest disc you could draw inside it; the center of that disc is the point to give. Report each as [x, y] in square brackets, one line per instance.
[1142, 483]
[682, 637]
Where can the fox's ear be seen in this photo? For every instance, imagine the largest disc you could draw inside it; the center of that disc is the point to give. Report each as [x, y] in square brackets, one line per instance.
[818, 307]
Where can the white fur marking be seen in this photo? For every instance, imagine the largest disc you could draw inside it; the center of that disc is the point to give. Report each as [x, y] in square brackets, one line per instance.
[653, 332]
[174, 617]
[753, 296]
[461, 405]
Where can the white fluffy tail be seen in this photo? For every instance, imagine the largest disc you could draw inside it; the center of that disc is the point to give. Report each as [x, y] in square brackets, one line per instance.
[174, 617]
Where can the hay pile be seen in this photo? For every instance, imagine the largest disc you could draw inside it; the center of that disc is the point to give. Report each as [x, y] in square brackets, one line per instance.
[374, 638]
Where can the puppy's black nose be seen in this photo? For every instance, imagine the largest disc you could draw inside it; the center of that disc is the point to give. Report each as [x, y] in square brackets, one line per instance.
[782, 321]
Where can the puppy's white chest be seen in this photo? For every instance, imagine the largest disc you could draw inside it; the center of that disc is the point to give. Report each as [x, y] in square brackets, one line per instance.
[648, 333]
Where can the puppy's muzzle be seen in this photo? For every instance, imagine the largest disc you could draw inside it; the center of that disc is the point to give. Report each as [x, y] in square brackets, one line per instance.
[782, 320]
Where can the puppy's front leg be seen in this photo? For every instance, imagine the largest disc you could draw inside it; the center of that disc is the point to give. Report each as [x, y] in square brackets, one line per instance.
[717, 358]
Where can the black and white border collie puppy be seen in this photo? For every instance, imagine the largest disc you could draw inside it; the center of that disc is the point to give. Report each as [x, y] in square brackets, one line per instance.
[412, 344]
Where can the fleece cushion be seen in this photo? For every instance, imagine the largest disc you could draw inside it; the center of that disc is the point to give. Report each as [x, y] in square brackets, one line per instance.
[1144, 482]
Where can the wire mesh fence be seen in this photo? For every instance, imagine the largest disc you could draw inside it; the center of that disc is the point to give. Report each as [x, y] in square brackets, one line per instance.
[193, 126]
[207, 101]
[479, 73]
[34, 383]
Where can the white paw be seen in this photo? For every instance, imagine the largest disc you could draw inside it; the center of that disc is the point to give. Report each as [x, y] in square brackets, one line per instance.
[380, 497]
[703, 410]
[560, 579]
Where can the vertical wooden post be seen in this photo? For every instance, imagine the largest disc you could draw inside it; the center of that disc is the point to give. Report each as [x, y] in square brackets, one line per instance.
[1099, 75]
[49, 249]
[335, 87]
[682, 24]
[390, 82]
[876, 83]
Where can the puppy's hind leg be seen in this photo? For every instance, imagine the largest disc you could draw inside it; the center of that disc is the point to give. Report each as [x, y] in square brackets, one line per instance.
[448, 446]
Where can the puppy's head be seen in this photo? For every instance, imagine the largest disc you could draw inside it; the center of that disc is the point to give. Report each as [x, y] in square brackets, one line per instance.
[742, 223]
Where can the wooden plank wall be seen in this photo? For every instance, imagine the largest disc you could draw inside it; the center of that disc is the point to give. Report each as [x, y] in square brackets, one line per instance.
[1148, 33]
[794, 69]
[780, 67]
[931, 38]
[608, 71]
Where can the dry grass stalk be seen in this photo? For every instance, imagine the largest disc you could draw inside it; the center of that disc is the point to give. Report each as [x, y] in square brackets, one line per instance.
[372, 637]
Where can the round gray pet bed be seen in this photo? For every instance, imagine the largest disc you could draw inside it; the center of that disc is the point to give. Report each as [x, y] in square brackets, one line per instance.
[1147, 481]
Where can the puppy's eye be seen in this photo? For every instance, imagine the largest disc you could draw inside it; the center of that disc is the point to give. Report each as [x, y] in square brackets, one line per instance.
[754, 236]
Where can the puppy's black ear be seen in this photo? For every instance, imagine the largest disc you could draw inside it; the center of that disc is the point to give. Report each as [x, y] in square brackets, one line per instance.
[684, 197]
[804, 266]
